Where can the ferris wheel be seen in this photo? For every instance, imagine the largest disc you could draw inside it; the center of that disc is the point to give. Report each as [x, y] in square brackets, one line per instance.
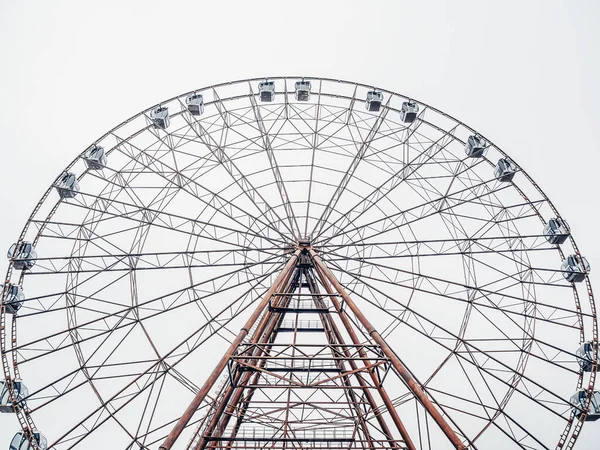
[297, 263]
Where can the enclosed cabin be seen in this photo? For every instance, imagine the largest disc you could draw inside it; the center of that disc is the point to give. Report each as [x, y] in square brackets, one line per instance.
[22, 254]
[195, 104]
[266, 90]
[19, 393]
[585, 355]
[476, 146]
[67, 185]
[374, 101]
[94, 158]
[409, 112]
[14, 297]
[579, 401]
[505, 170]
[574, 268]
[556, 231]
[160, 117]
[21, 441]
[302, 91]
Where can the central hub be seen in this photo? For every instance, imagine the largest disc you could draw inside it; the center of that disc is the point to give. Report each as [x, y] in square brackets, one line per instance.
[303, 243]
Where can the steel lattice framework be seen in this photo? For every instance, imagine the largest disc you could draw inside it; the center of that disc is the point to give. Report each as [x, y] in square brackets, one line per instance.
[297, 273]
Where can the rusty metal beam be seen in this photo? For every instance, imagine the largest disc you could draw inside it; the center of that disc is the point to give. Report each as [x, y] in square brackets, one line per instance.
[334, 338]
[382, 392]
[355, 368]
[212, 379]
[401, 369]
[226, 409]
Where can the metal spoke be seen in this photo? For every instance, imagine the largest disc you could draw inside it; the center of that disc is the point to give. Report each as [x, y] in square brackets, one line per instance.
[297, 263]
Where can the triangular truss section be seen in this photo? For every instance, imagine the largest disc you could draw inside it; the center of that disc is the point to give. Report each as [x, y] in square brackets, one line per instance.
[298, 375]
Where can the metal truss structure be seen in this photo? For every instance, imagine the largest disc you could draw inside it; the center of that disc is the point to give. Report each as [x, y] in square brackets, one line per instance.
[288, 269]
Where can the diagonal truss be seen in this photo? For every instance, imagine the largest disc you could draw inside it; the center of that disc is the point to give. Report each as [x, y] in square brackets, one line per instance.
[151, 270]
[297, 374]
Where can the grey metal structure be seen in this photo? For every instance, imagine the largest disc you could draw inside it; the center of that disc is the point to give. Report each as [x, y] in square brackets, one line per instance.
[410, 297]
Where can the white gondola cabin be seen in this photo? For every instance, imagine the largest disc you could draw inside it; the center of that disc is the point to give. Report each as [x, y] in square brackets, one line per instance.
[556, 231]
[574, 268]
[94, 158]
[374, 101]
[476, 146]
[303, 90]
[14, 297]
[585, 355]
[21, 442]
[22, 254]
[19, 391]
[579, 401]
[195, 104]
[505, 170]
[160, 117]
[266, 90]
[409, 112]
[67, 185]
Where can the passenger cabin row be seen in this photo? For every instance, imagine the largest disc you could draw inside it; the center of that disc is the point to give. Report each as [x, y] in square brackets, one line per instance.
[266, 91]
[159, 115]
[408, 111]
[476, 147]
[373, 102]
[582, 403]
[20, 441]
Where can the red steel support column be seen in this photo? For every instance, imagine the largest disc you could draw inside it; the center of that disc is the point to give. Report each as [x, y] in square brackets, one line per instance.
[263, 331]
[212, 379]
[404, 373]
[382, 392]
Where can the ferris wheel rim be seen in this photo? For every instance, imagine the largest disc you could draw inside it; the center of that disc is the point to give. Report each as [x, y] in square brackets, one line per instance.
[391, 93]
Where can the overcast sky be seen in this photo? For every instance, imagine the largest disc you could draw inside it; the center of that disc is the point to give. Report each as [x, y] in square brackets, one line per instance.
[524, 73]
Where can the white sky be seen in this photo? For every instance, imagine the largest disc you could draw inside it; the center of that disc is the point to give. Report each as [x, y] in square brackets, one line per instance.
[525, 74]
